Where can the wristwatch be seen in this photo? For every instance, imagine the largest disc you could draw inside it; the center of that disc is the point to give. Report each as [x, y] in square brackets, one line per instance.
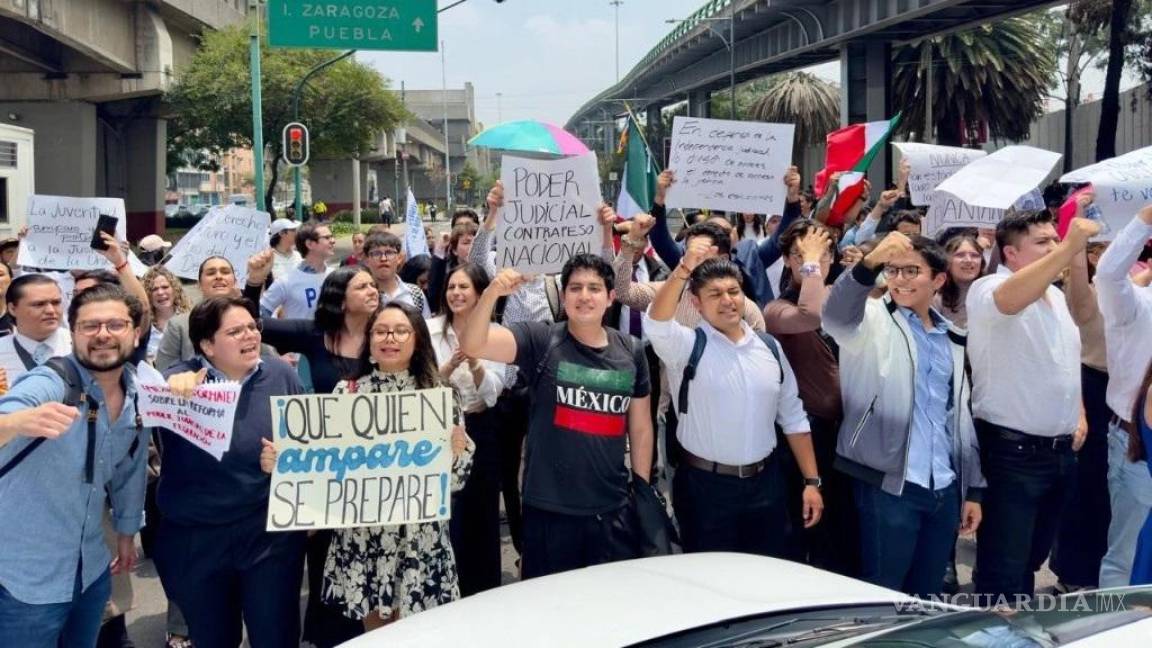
[813, 481]
[810, 270]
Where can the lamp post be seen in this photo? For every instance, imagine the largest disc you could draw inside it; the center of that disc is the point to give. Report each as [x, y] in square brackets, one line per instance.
[616, 4]
[729, 42]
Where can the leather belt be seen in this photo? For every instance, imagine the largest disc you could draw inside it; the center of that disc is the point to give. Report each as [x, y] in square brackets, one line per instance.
[743, 472]
[1061, 442]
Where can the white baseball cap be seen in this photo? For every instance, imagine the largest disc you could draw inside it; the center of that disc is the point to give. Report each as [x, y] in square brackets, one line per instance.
[281, 224]
[152, 243]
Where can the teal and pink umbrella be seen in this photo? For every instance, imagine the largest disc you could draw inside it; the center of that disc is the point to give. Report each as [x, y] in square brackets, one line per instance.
[530, 136]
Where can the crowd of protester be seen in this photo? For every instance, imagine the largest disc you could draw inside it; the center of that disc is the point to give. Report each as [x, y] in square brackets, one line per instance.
[831, 388]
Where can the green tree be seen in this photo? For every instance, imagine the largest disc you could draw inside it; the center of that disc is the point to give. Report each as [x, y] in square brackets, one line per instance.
[803, 99]
[996, 74]
[345, 107]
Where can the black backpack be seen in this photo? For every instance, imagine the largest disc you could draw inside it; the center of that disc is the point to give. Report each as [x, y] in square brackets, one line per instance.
[75, 396]
[698, 351]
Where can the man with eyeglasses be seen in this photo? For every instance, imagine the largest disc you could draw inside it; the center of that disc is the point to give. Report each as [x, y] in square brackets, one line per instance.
[297, 293]
[907, 436]
[1024, 348]
[384, 256]
[57, 469]
[35, 303]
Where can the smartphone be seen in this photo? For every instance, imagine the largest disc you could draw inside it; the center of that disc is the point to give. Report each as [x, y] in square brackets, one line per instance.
[107, 224]
[1092, 212]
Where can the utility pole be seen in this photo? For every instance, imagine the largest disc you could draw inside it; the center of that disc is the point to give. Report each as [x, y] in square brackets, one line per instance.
[447, 145]
[257, 107]
[616, 4]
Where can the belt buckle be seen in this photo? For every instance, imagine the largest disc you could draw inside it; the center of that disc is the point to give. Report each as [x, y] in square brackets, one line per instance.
[751, 471]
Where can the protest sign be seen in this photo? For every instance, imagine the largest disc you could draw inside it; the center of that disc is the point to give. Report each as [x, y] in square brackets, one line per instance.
[233, 232]
[60, 232]
[930, 164]
[204, 420]
[1123, 186]
[998, 180]
[549, 214]
[351, 460]
[736, 166]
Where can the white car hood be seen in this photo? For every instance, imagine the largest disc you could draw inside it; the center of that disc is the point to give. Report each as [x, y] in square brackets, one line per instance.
[626, 602]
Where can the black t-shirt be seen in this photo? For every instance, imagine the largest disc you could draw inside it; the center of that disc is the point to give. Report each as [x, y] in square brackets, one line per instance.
[574, 458]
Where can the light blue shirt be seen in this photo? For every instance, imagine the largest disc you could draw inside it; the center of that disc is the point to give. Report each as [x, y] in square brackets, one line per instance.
[51, 518]
[930, 440]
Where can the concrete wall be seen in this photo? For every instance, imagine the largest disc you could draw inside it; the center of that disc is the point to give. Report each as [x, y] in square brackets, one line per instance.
[66, 144]
[1134, 130]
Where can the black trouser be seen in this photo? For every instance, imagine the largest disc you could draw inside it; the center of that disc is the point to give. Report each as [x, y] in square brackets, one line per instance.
[475, 525]
[727, 513]
[324, 625]
[654, 401]
[833, 543]
[555, 542]
[222, 575]
[1029, 485]
[1083, 536]
[512, 409]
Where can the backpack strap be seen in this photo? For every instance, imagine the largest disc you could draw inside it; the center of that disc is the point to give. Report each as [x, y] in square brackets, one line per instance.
[774, 347]
[690, 369]
[73, 396]
[555, 339]
[25, 357]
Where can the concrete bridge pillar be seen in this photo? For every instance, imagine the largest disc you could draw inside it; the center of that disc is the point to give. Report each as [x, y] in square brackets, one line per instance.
[699, 104]
[866, 79]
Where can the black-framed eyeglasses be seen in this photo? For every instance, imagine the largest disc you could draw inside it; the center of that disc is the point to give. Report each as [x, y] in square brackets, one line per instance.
[400, 335]
[908, 272]
[376, 255]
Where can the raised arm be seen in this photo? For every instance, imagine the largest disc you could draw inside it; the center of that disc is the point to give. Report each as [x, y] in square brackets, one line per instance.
[662, 241]
[1115, 289]
[844, 310]
[628, 293]
[785, 318]
[769, 249]
[480, 339]
[668, 297]
[1029, 284]
[1081, 296]
[259, 265]
[482, 244]
[116, 255]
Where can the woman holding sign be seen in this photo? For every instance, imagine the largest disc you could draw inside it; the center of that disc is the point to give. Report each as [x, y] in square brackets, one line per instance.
[213, 555]
[381, 573]
[476, 510]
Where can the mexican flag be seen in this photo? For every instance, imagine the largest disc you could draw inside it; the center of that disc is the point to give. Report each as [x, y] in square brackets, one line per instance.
[851, 148]
[639, 179]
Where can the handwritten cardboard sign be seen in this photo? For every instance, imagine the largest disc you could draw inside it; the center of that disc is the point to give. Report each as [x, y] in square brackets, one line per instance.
[204, 420]
[233, 232]
[931, 164]
[60, 232]
[1123, 186]
[736, 166]
[351, 460]
[550, 212]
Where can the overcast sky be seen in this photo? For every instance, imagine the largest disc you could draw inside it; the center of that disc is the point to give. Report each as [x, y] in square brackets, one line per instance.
[547, 57]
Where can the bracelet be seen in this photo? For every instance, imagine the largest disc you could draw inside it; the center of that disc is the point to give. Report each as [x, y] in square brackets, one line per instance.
[122, 265]
[682, 278]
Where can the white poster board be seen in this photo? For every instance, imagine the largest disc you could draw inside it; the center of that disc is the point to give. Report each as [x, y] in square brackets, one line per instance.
[931, 164]
[736, 166]
[60, 232]
[550, 212]
[353, 460]
[205, 420]
[998, 180]
[1123, 186]
[233, 232]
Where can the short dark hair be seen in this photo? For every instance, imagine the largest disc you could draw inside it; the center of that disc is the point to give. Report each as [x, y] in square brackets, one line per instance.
[205, 318]
[591, 262]
[465, 213]
[305, 233]
[933, 253]
[893, 219]
[16, 288]
[711, 270]
[796, 231]
[459, 232]
[101, 277]
[105, 292]
[412, 269]
[720, 238]
[1017, 223]
[381, 239]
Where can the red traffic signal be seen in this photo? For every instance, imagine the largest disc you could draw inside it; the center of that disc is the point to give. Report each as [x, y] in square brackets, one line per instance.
[295, 144]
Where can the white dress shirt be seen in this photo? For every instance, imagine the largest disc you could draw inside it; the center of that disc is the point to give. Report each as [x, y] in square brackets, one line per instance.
[1025, 367]
[1127, 312]
[473, 398]
[735, 397]
[403, 295]
[60, 342]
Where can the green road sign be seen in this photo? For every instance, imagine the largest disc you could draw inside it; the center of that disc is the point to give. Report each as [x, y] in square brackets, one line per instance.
[353, 24]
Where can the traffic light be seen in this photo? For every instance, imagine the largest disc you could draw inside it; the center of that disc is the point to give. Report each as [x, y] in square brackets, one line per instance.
[295, 144]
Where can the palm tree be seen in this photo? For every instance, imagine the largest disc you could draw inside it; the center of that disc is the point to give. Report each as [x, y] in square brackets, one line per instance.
[803, 99]
[993, 75]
